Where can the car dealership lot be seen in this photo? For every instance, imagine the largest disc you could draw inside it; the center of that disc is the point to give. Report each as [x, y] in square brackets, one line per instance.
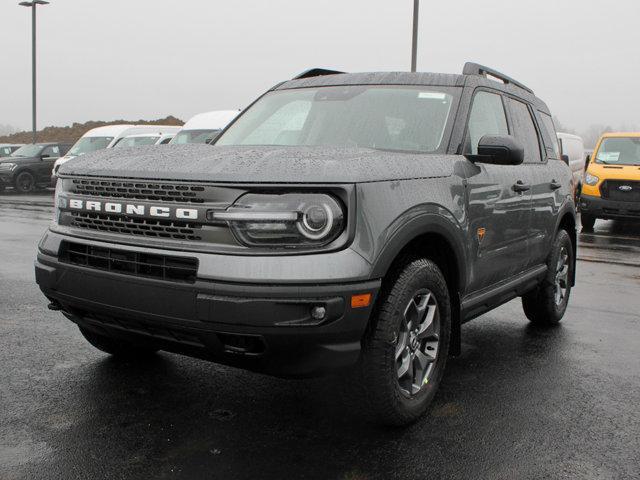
[518, 403]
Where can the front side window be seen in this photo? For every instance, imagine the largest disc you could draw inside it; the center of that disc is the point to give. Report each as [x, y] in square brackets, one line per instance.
[487, 117]
[525, 131]
[89, 144]
[619, 151]
[381, 117]
[51, 151]
[5, 151]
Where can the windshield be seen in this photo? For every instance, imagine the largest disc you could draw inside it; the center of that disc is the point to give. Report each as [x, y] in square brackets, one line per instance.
[382, 117]
[28, 151]
[195, 136]
[136, 141]
[89, 144]
[619, 151]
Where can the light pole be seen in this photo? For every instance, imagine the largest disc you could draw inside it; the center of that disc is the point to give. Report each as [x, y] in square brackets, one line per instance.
[33, 5]
[414, 38]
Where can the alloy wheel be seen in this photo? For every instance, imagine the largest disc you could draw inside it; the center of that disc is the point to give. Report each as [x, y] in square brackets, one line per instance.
[562, 276]
[417, 342]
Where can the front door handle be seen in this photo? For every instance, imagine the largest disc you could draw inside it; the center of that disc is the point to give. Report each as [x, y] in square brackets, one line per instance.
[520, 186]
[555, 185]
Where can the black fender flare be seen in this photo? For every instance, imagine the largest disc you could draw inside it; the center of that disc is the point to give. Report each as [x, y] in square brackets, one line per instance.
[453, 234]
[418, 225]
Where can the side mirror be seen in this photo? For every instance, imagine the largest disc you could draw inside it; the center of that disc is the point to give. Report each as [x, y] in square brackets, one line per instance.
[499, 150]
[565, 158]
[586, 162]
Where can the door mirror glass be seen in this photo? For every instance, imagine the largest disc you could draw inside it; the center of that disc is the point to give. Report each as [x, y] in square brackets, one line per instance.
[499, 150]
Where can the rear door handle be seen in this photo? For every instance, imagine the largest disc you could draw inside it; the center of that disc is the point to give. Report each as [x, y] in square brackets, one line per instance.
[555, 185]
[520, 186]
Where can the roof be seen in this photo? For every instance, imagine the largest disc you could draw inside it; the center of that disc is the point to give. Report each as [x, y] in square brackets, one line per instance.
[107, 131]
[620, 134]
[215, 120]
[568, 135]
[414, 78]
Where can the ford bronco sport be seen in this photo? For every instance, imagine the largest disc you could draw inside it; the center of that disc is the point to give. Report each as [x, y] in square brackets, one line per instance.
[342, 220]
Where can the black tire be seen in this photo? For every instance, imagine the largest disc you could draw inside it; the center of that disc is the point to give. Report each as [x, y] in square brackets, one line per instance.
[377, 375]
[24, 182]
[545, 306]
[587, 221]
[114, 346]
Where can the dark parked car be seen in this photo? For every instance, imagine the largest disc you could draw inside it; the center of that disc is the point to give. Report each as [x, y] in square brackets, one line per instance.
[343, 221]
[30, 166]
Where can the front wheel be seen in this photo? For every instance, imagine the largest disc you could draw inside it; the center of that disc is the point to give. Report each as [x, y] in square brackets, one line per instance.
[406, 347]
[25, 182]
[115, 347]
[546, 304]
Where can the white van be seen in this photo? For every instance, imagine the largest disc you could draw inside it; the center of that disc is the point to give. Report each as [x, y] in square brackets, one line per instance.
[204, 127]
[572, 149]
[108, 136]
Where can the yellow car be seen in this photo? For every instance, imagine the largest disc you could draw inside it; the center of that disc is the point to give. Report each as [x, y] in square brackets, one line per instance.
[611, 184]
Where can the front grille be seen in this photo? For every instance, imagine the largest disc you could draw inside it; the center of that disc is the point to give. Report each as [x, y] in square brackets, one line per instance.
[609, 190]
[166, 192]
[137, 226]
[150, 265]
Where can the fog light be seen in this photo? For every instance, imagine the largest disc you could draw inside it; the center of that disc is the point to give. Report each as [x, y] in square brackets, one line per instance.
[318, 313]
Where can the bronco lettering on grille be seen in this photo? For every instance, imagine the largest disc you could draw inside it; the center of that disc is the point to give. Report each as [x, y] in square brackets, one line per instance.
[133, 209]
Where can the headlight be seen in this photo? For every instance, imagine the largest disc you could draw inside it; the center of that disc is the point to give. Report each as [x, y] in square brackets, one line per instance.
[590, 179]
[286, 220]
[7, 166]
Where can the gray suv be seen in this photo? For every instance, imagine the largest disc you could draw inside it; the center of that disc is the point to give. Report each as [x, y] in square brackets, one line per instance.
[344, 222]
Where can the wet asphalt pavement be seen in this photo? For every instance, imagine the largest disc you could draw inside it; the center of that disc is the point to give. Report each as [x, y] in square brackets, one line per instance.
[519, 402]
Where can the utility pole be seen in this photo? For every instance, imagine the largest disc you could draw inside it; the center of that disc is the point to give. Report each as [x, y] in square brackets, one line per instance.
[33, 5]
[414, 39]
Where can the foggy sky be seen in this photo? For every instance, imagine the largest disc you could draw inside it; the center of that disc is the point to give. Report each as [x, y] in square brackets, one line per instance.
[103, 60]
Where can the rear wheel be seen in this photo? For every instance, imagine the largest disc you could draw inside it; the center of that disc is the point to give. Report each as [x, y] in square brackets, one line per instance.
[405, 350]
[587, 221]
[116, 347]
[25, 182]
[546, 304]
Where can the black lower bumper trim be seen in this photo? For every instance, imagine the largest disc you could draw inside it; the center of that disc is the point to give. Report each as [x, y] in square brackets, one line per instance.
[609, 209]
[267, 328]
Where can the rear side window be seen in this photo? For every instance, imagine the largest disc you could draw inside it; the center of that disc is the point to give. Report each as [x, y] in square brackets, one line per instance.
[549, 135]
[487, 117]
[525, 131]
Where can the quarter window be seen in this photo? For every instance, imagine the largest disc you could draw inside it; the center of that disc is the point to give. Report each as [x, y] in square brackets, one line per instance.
[525, 131]
[487, 117]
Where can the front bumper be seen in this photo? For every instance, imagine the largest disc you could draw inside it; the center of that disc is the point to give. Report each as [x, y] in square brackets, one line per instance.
[260, 327]
[608, 209]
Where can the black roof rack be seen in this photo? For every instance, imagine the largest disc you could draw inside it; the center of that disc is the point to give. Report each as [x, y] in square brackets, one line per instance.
[316, 72]
[471, 68]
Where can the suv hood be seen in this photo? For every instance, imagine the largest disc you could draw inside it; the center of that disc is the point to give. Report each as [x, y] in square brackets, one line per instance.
[258, 164]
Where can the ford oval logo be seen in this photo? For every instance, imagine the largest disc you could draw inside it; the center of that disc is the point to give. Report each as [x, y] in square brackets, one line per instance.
[625, 188]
